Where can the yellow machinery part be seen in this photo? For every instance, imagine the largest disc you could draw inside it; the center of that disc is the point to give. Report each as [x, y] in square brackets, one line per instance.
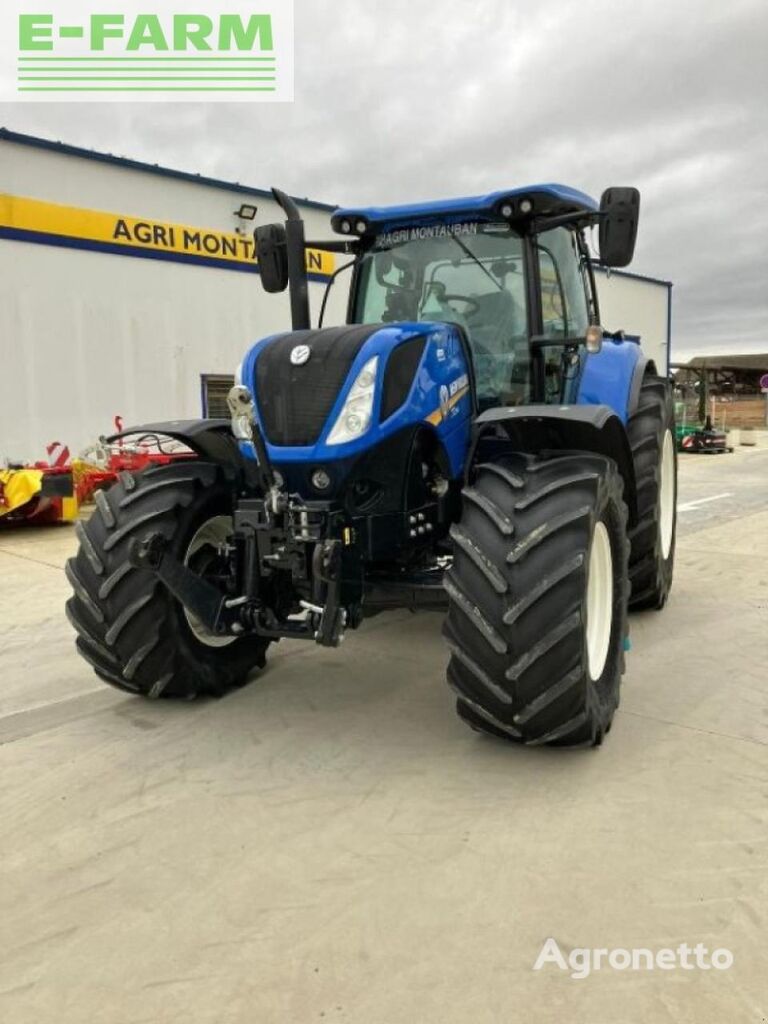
[22, 486]
[69, 509]
[19, 487]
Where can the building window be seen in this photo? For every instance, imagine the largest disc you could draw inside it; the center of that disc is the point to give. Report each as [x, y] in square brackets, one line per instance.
[214, 389]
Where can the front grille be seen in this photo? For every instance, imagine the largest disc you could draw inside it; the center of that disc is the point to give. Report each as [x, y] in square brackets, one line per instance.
[295, 401]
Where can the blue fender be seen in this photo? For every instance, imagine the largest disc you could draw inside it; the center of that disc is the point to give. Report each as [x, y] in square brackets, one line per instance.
[612, 376]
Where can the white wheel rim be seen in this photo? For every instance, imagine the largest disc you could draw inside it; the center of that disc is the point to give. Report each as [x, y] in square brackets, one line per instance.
[214, 532]
[667, 494]
[599, 601]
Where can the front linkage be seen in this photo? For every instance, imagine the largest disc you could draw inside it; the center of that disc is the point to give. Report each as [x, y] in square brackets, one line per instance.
[288, 558]
[279, 545]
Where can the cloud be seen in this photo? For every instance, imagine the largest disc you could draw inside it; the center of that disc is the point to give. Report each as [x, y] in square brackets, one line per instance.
[406, 100]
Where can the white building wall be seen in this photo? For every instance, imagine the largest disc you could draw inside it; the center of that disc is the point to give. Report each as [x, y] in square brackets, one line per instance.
[638, 306]
[99, 185]
[86, 336]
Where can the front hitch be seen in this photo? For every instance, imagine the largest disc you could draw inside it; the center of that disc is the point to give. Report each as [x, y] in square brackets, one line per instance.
[223, 615]
[326, 567]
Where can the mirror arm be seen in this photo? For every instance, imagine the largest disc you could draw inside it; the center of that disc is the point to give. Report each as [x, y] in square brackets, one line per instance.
[580, 218]
[335, 245]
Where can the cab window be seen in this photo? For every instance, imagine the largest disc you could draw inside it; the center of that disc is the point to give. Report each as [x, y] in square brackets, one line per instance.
[565, 310]
[472, 275]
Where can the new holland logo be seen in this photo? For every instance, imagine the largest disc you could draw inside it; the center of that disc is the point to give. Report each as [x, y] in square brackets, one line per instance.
[300, 355]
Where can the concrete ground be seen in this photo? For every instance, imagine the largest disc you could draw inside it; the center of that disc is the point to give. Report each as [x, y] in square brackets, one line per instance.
[331, 843]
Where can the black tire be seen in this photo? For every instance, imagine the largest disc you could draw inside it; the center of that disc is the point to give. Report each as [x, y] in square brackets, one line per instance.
[131, 630]
[516, 624]
[650, 566]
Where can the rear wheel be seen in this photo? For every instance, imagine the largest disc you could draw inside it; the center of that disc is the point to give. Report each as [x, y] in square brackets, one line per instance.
[537, 599]
[651, 432]
[132, 631]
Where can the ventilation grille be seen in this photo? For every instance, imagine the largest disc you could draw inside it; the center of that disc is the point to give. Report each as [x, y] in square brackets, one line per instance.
[215, 388]
[401, 368]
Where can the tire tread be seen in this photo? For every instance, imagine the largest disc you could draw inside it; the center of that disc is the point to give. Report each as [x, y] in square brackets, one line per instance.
[129, 628]
[517, 653]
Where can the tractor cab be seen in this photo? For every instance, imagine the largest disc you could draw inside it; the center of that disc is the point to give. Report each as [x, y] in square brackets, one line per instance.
[471, 275]
[511, 269]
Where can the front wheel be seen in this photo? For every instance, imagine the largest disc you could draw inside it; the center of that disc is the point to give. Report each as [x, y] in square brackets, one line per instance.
[538, 599]
[130, 628]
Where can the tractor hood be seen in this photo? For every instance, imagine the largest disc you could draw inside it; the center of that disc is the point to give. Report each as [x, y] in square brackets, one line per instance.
[330, 394]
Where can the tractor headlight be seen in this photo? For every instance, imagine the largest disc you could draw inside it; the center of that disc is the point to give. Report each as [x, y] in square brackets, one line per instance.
[355, 417]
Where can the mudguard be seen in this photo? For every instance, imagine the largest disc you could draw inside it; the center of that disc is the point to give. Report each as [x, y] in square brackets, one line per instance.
[212, 439]
[613, 375]
[608, 374]
[644, 365]
[538, 428]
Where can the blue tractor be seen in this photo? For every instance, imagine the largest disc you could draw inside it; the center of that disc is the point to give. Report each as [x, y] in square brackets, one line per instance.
[472, 440]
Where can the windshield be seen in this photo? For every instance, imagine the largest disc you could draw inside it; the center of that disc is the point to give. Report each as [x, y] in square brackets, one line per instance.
[469, 274]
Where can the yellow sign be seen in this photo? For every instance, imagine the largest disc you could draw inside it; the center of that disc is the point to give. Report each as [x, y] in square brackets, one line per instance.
[32, 220]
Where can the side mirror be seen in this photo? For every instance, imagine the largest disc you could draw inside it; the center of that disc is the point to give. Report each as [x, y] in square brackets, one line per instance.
[619, 213]
[272, 254]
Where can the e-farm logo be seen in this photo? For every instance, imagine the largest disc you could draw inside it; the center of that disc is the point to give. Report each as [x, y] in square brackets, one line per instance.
[163, 49]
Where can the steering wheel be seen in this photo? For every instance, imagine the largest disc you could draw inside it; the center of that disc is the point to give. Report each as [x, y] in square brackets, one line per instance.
[472, 304]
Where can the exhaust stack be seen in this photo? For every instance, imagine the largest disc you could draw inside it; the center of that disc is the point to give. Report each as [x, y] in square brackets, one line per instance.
[297, 269]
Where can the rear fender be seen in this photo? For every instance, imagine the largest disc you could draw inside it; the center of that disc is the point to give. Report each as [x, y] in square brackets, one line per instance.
[614, 375]
[541, 428]
[609, 376]
[644, 366]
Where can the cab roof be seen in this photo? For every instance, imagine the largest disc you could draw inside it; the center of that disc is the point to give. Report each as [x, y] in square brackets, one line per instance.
[549, 200]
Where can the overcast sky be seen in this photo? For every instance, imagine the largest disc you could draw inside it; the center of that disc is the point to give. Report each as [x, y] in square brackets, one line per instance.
[399, 100]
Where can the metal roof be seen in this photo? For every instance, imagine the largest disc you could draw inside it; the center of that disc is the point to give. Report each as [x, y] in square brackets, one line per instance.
[757, 361]
[6, 135]
[611, 272]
